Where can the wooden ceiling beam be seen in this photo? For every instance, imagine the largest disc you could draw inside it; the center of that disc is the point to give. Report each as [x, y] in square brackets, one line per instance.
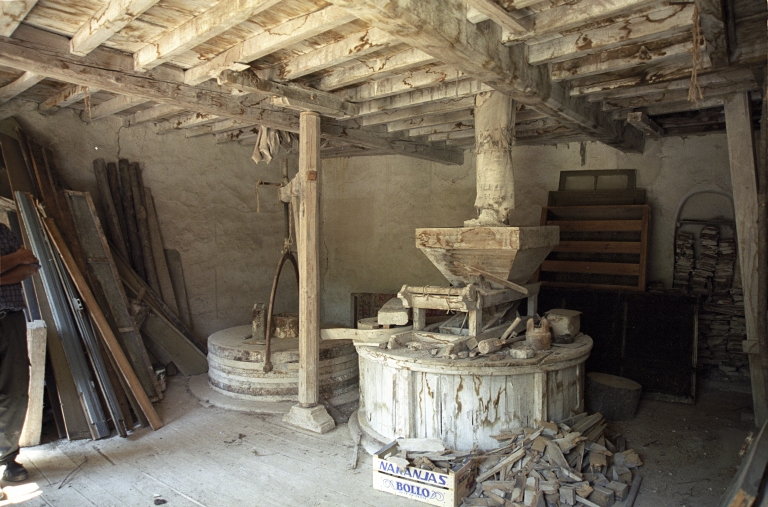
[110, 107]
[446, 91]
[354, 46]
[627, 57]
[268, 41]
[205, 26]
[653, 25]
[650, 99]
[430, 108]
[186, 121]
[680, 106]
[159, 112]
[217, 127]
[19, 85]
[402, 83]
[12, 14]
[106, 22]
[468, 124]
[66, 97]
[442, 30]
[373, 68]
[289, 95]
[499, 15]
[713, 31]
[434, 119]
[659, 73]
[644, 124]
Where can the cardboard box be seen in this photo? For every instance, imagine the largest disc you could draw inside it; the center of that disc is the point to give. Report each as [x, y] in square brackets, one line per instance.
[446, 490]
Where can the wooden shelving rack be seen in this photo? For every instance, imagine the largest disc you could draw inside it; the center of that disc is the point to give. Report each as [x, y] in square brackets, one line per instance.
[601, 247]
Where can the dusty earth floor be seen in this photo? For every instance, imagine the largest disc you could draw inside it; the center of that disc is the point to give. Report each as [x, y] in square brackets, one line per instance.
[211, 457]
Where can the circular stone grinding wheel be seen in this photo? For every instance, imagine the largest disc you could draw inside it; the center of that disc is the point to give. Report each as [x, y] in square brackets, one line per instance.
[614, 397]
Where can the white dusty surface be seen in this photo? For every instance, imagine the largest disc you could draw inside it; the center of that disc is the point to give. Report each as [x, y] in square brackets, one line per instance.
[211, 457]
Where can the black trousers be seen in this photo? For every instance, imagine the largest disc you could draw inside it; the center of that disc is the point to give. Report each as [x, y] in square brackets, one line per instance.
[14, 383]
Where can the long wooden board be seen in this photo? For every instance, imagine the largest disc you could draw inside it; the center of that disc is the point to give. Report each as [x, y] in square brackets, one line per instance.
[161, 265]
[597, 268]
[102, 325]
[33, 423]
[175, 268]
[103, 268]
[597, 225]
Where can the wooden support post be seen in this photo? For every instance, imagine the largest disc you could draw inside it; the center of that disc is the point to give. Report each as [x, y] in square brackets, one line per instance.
[494, 138]
[744, 183]
[475, 322]
[308, 413]
[419, 319]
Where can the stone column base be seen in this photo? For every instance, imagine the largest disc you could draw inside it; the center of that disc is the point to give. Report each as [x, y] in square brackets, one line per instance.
[313, 419]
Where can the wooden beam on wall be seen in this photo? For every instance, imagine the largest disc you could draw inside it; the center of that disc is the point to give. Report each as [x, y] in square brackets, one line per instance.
[106, 22]
[12, 14]
[744, 185]
[19, 85]
[111, 106]
[155, 113]
[205, 26]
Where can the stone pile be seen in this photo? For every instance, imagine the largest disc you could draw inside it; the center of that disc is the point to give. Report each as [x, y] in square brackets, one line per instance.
[684, 260]
[701, 278]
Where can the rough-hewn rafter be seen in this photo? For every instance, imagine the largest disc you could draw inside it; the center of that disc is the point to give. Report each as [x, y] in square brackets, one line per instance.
[19, 85]
[268, 42]
[107, 21]
[13, 13]
[216, 20]
[438, 28]
[110, 107]
[402, 83]
[155, 113]
[497, 14]
[64, 98]
[362, 71]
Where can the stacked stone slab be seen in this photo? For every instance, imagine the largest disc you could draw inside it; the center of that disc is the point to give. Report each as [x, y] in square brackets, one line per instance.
[701, 278]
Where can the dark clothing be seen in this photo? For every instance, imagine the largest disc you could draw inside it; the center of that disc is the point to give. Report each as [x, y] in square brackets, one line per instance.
[11, 296]
[14, 383]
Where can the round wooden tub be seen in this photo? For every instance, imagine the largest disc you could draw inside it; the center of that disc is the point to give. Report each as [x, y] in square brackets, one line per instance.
[406, 393]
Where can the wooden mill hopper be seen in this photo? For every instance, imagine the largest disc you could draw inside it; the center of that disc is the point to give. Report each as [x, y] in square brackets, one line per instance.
[511, 253]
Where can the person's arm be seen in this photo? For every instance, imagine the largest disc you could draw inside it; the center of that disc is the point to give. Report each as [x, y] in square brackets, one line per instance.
[20, 257]
[17, 274]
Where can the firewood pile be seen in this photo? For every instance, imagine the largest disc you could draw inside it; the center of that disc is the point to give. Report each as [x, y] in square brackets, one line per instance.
[573, 463]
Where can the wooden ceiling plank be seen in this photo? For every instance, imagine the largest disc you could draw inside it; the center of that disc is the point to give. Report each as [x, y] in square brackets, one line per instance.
[12, 14]
[267, 42]
[110, 19]
[644, 124]
[623, 58]
[205, 26]
[713, 79]
[159, 112]
[401, 83]
[575, 13]
[66, 97]
[455, 126]
[655, 25]
[375, 67]
[184, 122]
[442, 30]
[713, 30]
[667, 71]
[682, 106]
[303, 98]
[434, 119]
[336, 53]
[453, 136]
[19, 85]
[429, 108]
[675, 96]
[500, 16]
[217, 127]
[111, 106]
[447, 91]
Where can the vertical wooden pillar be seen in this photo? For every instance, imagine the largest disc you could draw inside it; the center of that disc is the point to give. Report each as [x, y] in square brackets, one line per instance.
[308, 414]
[744, 183]
[309, 259]
[494, 138]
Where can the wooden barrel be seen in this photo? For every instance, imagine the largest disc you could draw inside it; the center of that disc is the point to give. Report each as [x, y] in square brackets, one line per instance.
[464, 402]
[236, 362]
[614, 397]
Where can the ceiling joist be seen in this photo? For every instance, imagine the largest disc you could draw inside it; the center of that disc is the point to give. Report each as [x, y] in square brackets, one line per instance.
[106, 22]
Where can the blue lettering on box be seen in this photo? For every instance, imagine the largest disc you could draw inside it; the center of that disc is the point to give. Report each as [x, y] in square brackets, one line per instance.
[413, 473]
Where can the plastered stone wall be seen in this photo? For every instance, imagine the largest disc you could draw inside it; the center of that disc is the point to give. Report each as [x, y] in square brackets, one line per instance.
[206, 206]
[371, 206]
[204, 194]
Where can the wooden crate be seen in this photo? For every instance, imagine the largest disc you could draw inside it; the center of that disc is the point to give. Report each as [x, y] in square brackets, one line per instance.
[435, 488]
[601, 247]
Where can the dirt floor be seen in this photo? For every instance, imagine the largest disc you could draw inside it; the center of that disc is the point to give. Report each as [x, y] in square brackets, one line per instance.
[210, 457]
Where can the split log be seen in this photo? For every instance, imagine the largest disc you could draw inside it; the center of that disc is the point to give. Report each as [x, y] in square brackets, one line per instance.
[615, 397]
